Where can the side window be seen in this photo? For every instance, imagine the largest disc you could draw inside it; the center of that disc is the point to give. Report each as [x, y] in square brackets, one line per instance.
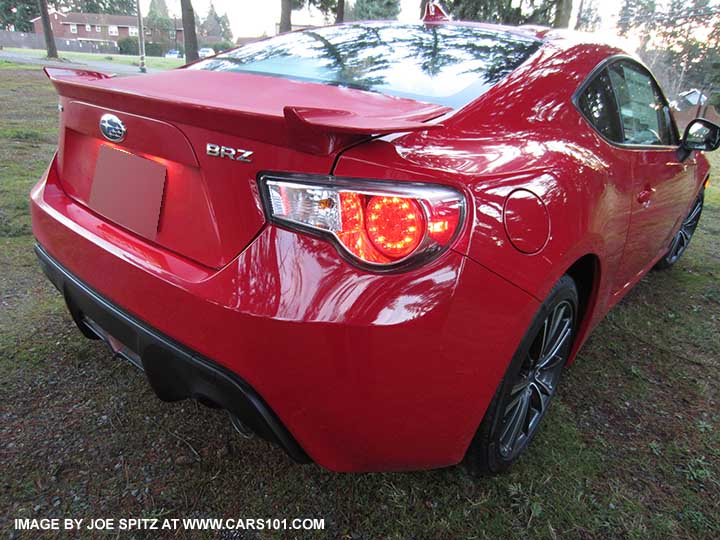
[597, 103]
[644, 114]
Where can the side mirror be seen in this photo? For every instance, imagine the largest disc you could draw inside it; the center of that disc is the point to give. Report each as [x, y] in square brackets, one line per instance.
[700, 134]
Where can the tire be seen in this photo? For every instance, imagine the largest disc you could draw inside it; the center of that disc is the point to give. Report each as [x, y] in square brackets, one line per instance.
[681, 240]
[526, 390]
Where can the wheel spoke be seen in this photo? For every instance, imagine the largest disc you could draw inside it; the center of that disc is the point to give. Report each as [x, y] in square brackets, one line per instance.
[544, 337]
[694, 214]
[514, 426]
[685, 236]
[521, 385]
[547, 361]
[541, 397]
[543, 386]
[674, 246]
[555, 320]
[518, 391]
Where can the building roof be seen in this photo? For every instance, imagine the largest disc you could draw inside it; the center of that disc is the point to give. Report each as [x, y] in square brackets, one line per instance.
[96, 19]
[100, 19]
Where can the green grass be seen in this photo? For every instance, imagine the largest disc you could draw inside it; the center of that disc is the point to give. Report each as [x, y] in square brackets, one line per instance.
[630, 450]
[150, 61]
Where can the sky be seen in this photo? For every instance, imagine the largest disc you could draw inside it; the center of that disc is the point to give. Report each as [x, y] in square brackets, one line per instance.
[250, 18]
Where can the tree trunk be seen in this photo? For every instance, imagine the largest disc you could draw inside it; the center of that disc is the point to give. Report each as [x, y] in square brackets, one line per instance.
[189, 35]
[579, 22]
[285, 14]
[340, 11]
[47, 29]
[563, 9]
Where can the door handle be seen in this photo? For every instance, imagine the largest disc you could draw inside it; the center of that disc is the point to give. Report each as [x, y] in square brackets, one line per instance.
[645, 195]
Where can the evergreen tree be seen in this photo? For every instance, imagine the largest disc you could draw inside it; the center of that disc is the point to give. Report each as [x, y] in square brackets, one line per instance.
[159, 7]
[365, 10]
[547, 12]
[114, 7]
[672, 41]
[588, 17]
[17, 14]
[216, 25]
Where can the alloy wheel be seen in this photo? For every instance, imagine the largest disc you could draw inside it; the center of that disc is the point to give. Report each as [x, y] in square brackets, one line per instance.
[537, 379]
[683, 236]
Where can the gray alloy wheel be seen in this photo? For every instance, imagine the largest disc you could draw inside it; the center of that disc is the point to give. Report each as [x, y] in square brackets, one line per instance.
[681, 241]
[530, 382]
[537, 380]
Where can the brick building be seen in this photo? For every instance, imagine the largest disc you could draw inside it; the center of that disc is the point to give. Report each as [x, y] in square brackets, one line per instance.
[97, 27]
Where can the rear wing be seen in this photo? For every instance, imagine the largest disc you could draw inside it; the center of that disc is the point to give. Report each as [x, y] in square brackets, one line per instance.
[261, 112]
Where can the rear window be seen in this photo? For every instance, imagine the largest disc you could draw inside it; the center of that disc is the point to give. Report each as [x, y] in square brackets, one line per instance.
[444, 64]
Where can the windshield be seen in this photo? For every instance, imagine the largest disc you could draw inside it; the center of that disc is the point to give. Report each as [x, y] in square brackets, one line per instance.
[444, 64]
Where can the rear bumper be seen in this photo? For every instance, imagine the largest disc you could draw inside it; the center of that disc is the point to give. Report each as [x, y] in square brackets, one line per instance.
[174, 371]
[364, 371]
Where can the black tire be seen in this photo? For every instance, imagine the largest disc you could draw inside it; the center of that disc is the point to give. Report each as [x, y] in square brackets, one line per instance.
[681, 240]
[489, 452]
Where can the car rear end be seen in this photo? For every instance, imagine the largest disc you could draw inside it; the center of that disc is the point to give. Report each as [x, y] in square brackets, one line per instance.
[192, 220]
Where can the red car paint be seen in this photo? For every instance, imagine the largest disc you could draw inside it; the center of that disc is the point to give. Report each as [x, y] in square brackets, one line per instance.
[367, 370]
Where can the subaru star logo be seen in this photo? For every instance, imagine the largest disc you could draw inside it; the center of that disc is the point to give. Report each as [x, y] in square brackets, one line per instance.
[112, 128]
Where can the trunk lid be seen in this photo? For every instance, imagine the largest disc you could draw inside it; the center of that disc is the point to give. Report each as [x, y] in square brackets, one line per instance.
[211, 133]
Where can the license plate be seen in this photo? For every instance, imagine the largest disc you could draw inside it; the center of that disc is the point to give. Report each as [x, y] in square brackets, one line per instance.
[128, 190]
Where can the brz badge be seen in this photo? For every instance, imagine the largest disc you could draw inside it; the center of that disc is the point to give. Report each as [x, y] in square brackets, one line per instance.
[112, 128]
[236, 154]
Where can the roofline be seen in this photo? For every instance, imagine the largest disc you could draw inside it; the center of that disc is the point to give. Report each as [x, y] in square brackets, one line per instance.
[51, 12]
[103, 24]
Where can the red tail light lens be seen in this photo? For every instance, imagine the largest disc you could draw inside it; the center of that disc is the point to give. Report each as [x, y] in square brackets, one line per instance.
[378, 224]
[395, 225]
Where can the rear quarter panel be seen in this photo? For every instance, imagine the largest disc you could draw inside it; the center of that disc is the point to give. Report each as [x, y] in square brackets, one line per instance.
[524, 133]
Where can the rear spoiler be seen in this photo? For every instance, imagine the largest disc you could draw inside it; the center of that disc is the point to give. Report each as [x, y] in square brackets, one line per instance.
[311, 129]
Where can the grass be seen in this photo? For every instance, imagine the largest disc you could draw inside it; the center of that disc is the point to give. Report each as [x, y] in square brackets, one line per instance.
[630, 450]
[130, 60]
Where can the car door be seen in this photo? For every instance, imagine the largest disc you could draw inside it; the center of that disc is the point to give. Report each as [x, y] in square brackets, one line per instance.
[663, 186]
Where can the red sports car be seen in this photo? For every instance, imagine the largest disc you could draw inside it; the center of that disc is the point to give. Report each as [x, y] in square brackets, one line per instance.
[377, 244]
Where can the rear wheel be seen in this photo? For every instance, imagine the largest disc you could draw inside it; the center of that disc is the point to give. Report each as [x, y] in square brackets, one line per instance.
[681, 241]
[522, 399]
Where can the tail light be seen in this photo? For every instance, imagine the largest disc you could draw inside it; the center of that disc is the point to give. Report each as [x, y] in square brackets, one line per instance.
[377, 224]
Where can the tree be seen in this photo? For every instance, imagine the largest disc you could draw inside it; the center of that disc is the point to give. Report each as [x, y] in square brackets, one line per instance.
[114, 7]
[556, 12]
[368, 10]
[285, 15]
[157, 24]
[189, 34]
[671, 40]
[47, 29]
[17, 14]
[159, 7]
[588, 18]
[340, 11]
[563, 9]
[326, 7]
[216, 25]
[637, 15]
